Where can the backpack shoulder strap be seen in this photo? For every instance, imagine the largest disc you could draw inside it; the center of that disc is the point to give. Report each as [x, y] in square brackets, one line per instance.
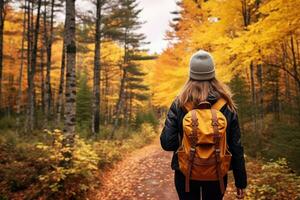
[219, 104]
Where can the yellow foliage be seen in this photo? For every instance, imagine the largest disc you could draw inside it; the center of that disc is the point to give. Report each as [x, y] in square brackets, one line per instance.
[84, 161]
[218, 27]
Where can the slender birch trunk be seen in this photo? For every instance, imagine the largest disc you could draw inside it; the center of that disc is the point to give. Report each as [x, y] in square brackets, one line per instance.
[70, 95]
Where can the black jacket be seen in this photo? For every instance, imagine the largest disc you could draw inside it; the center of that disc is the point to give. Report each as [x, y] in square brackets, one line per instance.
[173, 125]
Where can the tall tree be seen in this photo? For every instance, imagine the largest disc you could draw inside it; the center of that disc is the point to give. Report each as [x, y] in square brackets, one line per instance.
[253, 95]
[97, 69]
[100, 21]
[260, 95]
[295, 64]
[1, 45]
[70, 96]
[135, 89]
[32, 67]
[126, 16]
[2, 19]
[48, 42]
[42, 62]
[62, 79]
[19, 98]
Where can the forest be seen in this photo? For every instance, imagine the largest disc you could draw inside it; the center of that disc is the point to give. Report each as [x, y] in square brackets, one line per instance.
[80, 93]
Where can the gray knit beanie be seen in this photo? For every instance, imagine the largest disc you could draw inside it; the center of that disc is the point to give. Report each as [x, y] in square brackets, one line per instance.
[202, 66]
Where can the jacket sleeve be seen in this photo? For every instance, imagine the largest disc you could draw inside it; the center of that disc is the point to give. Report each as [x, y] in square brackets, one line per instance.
[237, 151]
[169, 136]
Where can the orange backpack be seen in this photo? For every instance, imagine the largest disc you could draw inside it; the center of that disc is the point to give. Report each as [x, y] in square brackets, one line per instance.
[203, 154]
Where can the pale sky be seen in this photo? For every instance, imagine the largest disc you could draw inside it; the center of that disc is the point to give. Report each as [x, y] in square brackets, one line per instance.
[157, 15]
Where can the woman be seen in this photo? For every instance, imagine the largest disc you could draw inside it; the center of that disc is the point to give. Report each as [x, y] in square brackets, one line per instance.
[203, 86]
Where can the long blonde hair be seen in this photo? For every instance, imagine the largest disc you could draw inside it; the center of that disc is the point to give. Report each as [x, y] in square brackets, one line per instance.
[197, 91]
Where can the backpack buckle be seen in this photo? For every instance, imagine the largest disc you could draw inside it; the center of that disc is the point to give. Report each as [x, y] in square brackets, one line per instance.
[195, 123]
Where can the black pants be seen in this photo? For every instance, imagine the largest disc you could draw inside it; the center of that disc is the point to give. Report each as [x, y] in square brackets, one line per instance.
[210, 190]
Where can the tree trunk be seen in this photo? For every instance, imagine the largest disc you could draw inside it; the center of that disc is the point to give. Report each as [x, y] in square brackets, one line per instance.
[42, 64]
[125, 107]
[276, 100]
[246, 12]
[61, 82]
[10, 95]
[97, 72]
[119, 103]
[253, 94]
[130, 106]
[48, 41]
[287, 96]
[294, 57]
[19, 97]
[296, 74]
[106, 93]
[28, 64]
[260, 96]
[43, 85]
[102, 98]
[31, 71]
[122, 88]
[70, 96]
[2, 18]
[295, 69]
[287, 87]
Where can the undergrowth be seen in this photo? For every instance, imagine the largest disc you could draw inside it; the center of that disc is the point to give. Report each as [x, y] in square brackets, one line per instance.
[272, 180]
[31, 167]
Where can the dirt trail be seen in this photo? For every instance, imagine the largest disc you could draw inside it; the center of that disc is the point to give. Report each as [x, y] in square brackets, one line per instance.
[144, 175]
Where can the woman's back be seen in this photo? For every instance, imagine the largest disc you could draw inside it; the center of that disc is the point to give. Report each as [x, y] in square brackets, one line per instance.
[203, 86]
